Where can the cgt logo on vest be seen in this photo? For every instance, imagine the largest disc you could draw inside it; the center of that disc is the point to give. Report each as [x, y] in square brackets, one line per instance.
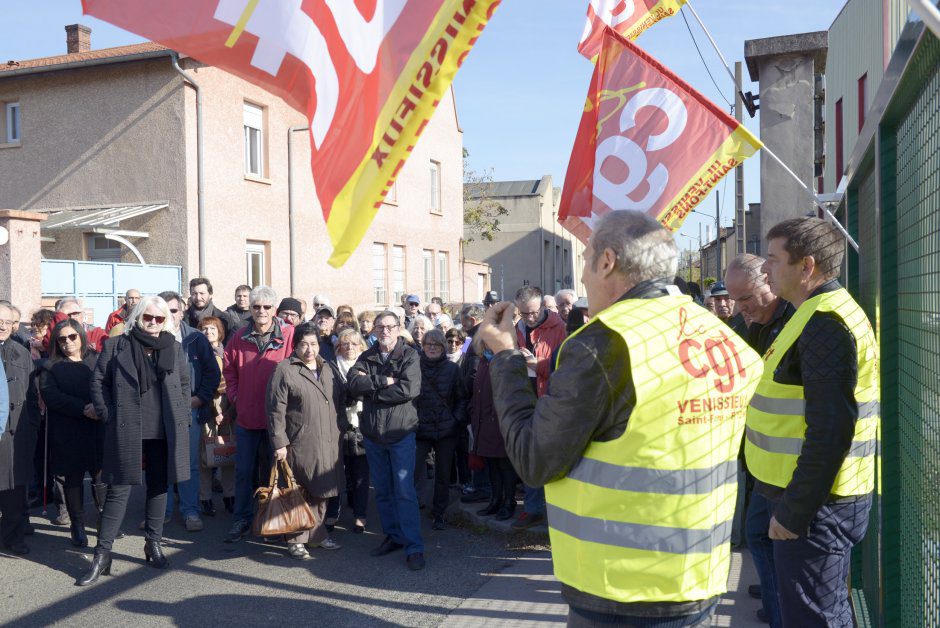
[715, 355]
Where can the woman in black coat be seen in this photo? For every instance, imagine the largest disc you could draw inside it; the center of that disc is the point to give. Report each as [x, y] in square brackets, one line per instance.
[442, 413]
[76, 435]
[140, 389]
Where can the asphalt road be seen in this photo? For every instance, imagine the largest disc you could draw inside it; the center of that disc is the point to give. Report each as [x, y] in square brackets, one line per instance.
[249, 583]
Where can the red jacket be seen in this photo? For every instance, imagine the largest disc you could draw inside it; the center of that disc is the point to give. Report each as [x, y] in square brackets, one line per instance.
[247, 372]
[546, 338]
[95, 336]
[116, 317]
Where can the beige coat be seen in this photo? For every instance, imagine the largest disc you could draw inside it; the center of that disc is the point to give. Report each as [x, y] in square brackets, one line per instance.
[307, 415]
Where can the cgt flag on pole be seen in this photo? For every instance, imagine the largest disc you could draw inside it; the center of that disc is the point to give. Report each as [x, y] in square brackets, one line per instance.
[368, 74]
[647, 142]
[627, 17]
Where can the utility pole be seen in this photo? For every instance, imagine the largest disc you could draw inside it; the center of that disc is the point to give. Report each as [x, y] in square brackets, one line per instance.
[718, 237]
[740, 232]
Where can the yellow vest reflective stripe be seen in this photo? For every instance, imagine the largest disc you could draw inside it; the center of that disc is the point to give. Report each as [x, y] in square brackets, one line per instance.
[647, 516]
[776, 419]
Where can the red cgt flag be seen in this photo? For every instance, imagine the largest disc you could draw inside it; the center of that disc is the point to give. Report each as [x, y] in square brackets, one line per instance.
[627, 17]
[647, 142]
[368, 74]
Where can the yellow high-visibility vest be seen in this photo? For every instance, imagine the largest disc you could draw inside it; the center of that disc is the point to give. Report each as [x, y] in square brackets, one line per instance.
[776, 419]
[647, 516]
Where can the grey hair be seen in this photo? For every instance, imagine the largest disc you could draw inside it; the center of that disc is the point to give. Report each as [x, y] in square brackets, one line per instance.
[644, 248]
[473, 311]
[66, 300]
[566, 292]
[750, 265]
[134, 319]
[262, 293]
[420, 318]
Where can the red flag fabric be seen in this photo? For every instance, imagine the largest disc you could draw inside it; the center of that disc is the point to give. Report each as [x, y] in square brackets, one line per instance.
[647, 142]
[368, 74]
[627, 17]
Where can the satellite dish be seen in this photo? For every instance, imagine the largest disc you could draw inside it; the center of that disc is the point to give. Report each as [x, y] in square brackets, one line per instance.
[4, 236]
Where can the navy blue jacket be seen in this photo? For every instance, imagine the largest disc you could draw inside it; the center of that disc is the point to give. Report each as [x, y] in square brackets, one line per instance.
[204, 373]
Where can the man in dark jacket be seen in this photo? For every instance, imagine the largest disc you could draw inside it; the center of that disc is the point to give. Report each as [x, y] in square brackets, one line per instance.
[387, 377]
[204, 378]
[747, 285]
[201, 305]
[239, 312]
[18, 438]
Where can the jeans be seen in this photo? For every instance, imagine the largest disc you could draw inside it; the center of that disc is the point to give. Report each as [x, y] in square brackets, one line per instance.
[443, 461]
[584, 618]
[534, 502]
[759, 511]
[391, 467]
[812, 570]
[249, 443]
[115, 505]
[189, 490]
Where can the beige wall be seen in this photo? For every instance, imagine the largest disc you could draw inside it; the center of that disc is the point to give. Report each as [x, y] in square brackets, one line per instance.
[79, 128]
[126, 134]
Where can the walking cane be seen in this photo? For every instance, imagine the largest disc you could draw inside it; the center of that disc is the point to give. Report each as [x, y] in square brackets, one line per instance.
[45, 466]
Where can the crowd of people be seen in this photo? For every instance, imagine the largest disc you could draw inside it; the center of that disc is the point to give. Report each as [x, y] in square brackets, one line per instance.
[190, 400]
[649, 427]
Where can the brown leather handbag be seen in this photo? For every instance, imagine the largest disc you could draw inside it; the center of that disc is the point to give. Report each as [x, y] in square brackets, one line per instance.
[282, 510]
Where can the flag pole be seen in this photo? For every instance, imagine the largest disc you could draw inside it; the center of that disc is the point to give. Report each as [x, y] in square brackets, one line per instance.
[769, 152]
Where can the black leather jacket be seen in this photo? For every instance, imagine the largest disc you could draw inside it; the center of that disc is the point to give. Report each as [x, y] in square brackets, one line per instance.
[388, 412]
[590, 398]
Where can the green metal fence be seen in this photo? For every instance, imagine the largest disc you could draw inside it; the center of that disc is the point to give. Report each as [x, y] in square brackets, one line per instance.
[893, 203]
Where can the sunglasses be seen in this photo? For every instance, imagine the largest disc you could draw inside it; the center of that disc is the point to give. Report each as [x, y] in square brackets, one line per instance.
[258, 308]
[428, 345]
[150, 318]
[455, 341]
[176, 311]
[67, 338]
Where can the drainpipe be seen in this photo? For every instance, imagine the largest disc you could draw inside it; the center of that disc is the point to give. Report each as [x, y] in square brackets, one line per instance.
[290, 208]
[200, 166]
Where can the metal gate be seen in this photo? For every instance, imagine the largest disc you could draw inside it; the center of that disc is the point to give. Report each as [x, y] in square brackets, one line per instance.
[101, 284]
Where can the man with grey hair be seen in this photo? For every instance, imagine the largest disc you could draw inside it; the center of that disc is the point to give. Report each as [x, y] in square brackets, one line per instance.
[250, 358]
[637, 437]
[565, 300]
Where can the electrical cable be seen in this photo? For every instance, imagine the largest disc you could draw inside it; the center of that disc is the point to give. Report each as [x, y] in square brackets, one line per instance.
[695, 43]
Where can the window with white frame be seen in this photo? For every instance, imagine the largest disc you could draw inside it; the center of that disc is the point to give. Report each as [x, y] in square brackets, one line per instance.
[101, 249]
[256, 263]
[427, 259]
[12, 122]
[379, 274]
[254, 139]
[435, 187]
[443, 276]
[398, 273]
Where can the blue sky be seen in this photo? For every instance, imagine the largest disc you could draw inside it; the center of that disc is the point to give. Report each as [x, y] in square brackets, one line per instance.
[521, 91]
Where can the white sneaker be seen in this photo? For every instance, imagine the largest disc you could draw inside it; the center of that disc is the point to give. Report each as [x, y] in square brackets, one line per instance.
[193, 524]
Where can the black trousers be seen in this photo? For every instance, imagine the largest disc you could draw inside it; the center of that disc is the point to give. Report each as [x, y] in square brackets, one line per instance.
[115, 506]
[13, 522]
[75, 494]
[444, 449]
[357, 484]
[503, 480]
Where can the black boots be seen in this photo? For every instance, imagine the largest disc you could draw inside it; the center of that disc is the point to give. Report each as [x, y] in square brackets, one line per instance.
[79, 538]
[154, 554]
[100, 564]
[491, 509]
[229, 504]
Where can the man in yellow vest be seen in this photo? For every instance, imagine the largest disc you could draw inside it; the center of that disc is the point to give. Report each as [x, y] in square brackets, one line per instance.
[636, 440]
[812, 425]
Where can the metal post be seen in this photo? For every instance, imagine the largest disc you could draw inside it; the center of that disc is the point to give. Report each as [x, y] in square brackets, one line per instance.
[740, 230]
[717, 238]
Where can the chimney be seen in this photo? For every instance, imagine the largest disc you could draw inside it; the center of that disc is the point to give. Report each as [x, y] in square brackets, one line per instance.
[77, 38]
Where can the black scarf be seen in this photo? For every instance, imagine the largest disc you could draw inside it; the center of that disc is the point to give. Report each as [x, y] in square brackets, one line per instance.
[163, 356]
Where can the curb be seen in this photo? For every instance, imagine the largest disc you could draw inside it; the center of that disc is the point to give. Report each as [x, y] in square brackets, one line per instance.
[467, 514]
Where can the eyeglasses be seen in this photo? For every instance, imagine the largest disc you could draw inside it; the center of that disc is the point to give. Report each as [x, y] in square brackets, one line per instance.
[258, 308]
[286, 313]
[6, 323]
[150, 318]
[529, 314]
[349, 344]
[74, 314]
[385, 327]
[429, 345]
[67, 338]
[174, 311]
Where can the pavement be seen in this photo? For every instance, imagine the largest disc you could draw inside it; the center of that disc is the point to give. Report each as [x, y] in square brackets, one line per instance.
[474, 576]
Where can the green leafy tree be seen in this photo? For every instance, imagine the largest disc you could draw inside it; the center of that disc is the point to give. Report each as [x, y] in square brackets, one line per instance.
[481, 213]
